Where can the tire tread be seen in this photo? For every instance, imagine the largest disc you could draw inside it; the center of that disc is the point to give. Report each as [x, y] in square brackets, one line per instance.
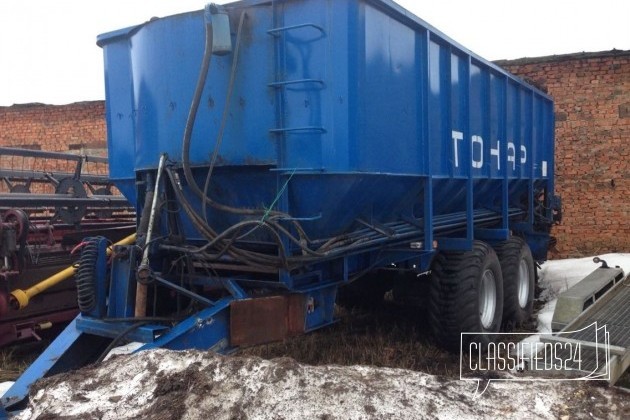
[453, 294]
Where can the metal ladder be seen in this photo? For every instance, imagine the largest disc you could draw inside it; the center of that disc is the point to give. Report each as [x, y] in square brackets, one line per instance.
[282, 131]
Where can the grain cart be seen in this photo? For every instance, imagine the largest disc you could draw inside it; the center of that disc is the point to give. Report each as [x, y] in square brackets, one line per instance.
[280, 150]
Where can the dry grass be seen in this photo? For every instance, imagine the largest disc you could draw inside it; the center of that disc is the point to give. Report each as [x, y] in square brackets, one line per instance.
[387, 336]
[624, 380]
[16, 358]
[12, 364]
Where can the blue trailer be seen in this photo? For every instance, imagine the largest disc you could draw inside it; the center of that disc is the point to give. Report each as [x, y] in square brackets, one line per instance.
[279, 151]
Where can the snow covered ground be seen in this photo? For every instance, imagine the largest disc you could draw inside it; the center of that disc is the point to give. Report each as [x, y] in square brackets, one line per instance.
[201, 385]
[167, 384]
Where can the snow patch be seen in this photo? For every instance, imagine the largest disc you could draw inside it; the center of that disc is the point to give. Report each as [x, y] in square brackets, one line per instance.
[4, 387]
[194, 384]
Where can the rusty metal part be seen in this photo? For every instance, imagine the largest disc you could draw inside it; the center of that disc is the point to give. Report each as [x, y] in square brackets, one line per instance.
[266, 319]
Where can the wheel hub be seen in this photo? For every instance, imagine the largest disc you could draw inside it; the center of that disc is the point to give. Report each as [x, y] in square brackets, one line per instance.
[523, 284]
[487, 299]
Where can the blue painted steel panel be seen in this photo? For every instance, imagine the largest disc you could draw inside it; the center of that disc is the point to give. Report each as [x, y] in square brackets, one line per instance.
[357, 103]
[119, 109]
[70, 349]
[206, 329]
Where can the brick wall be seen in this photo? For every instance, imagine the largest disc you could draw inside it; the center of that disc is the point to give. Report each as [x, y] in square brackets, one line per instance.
[592, 98]
[591, 92]
[77, 128]
[55, 128]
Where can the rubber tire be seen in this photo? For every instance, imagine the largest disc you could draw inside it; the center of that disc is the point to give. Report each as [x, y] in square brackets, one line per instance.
[511, 253]
[454, 300]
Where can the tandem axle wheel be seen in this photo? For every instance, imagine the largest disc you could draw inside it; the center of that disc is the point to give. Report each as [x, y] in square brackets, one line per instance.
[479, 291]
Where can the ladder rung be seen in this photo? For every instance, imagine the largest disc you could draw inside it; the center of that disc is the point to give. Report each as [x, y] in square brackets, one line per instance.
[277, 31]
[306, 129]
[292, 170]
[296, 82]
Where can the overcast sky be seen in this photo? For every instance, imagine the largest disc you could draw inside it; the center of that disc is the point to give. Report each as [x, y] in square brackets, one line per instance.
[48, 52]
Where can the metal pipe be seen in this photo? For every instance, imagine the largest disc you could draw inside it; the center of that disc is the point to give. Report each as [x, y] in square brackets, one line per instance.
[42, 154]
[20, 298]
[183, 291]
[40, 176]
[144, 270]
[25, 199]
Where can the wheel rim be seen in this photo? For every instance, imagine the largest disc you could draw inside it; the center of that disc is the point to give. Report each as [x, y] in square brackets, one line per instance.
[523, 284]
[487, 299]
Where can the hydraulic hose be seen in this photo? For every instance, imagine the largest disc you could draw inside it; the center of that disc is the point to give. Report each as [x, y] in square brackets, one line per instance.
[119, 338]
[85, 276]
[201, 222]
[269, 217]
[248, 257]
[192, 115]
[226, 112]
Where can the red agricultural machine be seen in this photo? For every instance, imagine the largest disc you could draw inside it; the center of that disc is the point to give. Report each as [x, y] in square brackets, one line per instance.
[49, 202]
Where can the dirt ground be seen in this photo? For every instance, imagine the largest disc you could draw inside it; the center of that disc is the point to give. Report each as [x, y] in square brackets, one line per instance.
[163, 384]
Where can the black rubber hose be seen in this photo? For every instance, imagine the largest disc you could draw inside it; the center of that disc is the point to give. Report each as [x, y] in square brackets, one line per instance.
[248, 257]
[85, 276]
[209, 233]
[190, 122]
[118, 338]
[200, 222]
[224, 117]
[192, 116]
[194, 107]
